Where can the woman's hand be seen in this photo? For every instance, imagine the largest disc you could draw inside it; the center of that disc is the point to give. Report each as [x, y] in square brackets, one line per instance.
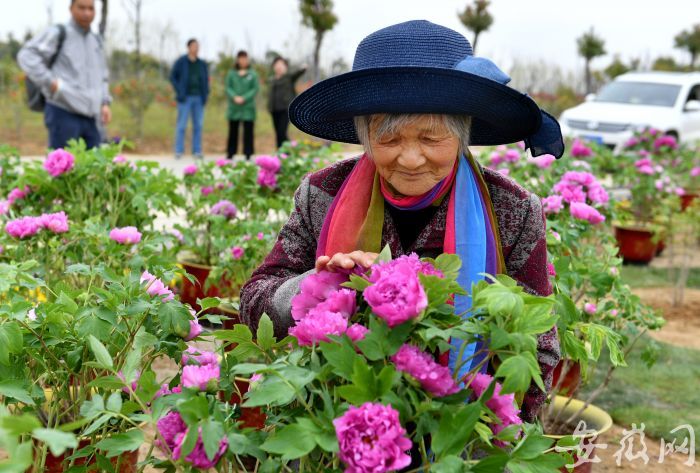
[345, 261]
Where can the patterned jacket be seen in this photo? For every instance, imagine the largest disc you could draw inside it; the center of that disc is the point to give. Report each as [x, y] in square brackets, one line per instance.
[522, 229]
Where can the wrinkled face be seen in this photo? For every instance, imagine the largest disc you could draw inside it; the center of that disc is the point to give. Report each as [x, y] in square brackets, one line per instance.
[83, 12]
[193, 49]
[412, 160]
[279, 67]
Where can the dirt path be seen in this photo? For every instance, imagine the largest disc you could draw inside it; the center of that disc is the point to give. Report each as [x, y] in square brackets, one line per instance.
[682, 323]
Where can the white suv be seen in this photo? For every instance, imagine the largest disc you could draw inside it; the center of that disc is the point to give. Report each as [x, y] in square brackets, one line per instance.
[668, 101]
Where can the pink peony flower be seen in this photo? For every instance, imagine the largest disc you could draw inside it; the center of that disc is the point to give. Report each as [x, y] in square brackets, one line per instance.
[17, 194]
[177, 234]
[584, 211]
[293, 143]
[545, 161]
[267, 179]
[269, 163]
[598, 195]
[590, 308]
[614, 271]
[59, 162]
[631, 142]
[133, 383]
[512, 155]
[23, 227]
[225, 208]
[504, 171]
[580, 150]
[206, 190]
[556, 235]
[433, 377]
[222, 162]
[237, 252]
[551, 270]
[195, 330]
[170, 426]
[503, 405]
[645, 166]
[314, 289]
[4, 207]
[202, 377]
[125, 235]
[695, 172]
[357, 332]
[155, 287]
[553, 204]
[371, 439]
[190, 170]
[342, 301]
[55, 222]
[614, 312]
[317, 325]
[119, 159]
[198, 456]
[396, 294]
[667, 141]
[199, 357]
[261, 236]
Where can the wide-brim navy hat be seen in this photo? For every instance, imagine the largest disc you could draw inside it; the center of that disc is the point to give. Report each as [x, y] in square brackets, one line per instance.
[421, 67]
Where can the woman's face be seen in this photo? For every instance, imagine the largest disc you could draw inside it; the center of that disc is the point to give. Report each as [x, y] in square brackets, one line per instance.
[243, 62]
[280, 67]
[414, 159]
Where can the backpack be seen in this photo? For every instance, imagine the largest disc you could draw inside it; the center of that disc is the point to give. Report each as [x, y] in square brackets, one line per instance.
[35, 98]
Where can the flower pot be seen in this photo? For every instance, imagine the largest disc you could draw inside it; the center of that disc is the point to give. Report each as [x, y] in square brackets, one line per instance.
[597, 420]
[660, 247]
[190, 292]
[252, 417]
[687, 200]
[127, 461]
[635, 244]
[572, 377]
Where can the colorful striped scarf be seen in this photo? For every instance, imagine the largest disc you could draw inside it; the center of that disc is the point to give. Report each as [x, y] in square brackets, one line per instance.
[356, 216]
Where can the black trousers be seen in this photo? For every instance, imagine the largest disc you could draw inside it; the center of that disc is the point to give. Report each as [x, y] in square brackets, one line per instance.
[280, 120]
[232, 148]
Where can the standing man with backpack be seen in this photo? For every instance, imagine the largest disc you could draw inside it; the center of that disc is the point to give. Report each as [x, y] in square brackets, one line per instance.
[67, 74]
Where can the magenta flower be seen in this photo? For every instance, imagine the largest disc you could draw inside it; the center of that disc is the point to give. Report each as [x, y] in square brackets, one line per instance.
[551, 270]
[342, 301]
[170, 426]
[667, 141]
[133, 382]
[55, 222]
[552, 204]
[17, 194]
[271, 164]
[261, 236]
[119, 159]
[545, 161]
[202, 377]
[125, 235]
[584, 211]
[396, 294]
[222, 162]
[632, 142]
[4, 207]
[357, 332]
[413, 260]
[195, 329]
[614, 312]
[590, 308]
[267, 179]
[645, 166]
[503, 405]
[225, 208]
[190, 170]
[317, 325]
[198, 357]
[155, 287]
[432, 376]
[695, 172]
[198, 456]
[59, 162]
[23, 227]
[580, 150]
[371, 439]
[237, 252]
[206, 190]
[314, 289]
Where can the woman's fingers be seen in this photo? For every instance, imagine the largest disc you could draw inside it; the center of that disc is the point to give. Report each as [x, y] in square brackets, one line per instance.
[321, 263]
[345, 261]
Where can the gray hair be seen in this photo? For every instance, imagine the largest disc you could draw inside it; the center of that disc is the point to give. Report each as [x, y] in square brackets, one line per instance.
[458, 126]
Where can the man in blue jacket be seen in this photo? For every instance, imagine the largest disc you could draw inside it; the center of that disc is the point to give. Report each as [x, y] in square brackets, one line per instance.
[190, 79]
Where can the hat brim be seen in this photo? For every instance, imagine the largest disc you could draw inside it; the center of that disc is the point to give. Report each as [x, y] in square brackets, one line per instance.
[500, 114]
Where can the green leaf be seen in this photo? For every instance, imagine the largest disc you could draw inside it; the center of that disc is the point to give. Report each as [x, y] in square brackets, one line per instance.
[100, 352]
[517, 373]
[455, 429]
[490, 464]
[212, 433]
[209, 302]
[357, 283]
[271, 391]
[194, 409]
[19, 424]
[449, 265]
[68, 304]
[292, 441]
[265, 334]
[531, 447]
[362, 388]
[10, 341]
[341, 356]
[15, 389]
[384, 255]
[450, 464]
[120, 443]
[114, 402]
[56, 440]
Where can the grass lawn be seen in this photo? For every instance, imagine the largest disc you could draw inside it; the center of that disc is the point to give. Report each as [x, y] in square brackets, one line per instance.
[662, 397]
[645, 276]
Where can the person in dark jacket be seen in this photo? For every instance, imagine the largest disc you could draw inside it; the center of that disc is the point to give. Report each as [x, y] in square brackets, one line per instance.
[190, 79]
[280, 94]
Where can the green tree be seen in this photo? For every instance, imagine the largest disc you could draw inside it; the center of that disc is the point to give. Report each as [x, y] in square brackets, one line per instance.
[476, 19]
[665, 63]
[616, 68]
[590, 46]
[318, 15]
[690, 41]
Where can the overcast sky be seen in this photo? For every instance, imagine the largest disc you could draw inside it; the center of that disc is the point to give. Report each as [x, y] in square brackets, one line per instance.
[523, 29]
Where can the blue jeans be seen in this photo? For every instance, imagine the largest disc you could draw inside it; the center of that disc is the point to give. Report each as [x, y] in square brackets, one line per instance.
[193, 105]
[64, 125]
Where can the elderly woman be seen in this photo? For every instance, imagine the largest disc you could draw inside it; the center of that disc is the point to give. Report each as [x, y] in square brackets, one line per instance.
[415, 99]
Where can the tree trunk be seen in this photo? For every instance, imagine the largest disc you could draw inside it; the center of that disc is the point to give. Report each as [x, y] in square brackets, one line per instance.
[588, 76]
[317, 54]
[476, 38]
[103, 18]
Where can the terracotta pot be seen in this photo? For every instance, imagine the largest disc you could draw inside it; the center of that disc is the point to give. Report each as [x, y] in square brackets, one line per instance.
[190, 292]
[635, 244]
[687, 200]
[127, 461]
[571, 378]
[660, 247]
[596, 419]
